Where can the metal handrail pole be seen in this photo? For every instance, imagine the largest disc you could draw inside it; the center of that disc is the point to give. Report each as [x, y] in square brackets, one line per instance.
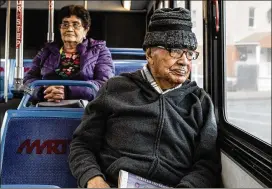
[19, 67]
[86, 4]
[50, 34]
[7, 66]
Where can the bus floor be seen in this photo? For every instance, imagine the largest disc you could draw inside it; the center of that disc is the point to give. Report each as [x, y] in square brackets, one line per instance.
[11, 104]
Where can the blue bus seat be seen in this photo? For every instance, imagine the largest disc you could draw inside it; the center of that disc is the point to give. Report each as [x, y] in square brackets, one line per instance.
[122, 66]
[11, 78]
[2, 67]
[27, 186]
[35, 147]
[127, 51]
[27, 65]
[2, 73]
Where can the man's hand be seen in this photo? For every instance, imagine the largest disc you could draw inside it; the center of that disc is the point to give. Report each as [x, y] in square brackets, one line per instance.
[97, 182]
[54, 93]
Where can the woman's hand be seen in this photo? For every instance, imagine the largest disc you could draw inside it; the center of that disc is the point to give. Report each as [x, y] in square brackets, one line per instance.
[97, 182]
[54, 93]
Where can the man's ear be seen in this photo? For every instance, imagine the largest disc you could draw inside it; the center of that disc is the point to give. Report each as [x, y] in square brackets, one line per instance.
[149, 56]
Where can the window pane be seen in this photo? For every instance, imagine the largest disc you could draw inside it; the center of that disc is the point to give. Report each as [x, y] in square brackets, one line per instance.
[197, 65]
[251, 16]
[251, 12]
[166, 3]
[248, 68]
[160, 5]
[179, 3]
[251, 22]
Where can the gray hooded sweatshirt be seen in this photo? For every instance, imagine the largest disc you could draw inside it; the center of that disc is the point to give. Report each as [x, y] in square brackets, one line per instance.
[167, 138]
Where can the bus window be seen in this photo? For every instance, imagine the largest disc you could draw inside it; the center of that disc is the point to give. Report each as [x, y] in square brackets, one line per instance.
[248, 67]
[179, 3]
[166, 3]
[160, 5]
[197, 17]
[197, 65]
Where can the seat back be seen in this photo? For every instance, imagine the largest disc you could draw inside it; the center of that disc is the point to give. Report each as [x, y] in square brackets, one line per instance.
[122, 66]
[11, 78]
[2, 73]
[35, 147]
[2, 67]
[127, 51]
[27, 64]
[27, 186]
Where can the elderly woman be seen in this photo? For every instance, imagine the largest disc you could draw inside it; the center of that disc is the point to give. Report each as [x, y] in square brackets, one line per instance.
[75, 58]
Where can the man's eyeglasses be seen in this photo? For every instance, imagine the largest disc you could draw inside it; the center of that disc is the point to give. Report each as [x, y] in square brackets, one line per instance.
[66, 25]
[178, 53]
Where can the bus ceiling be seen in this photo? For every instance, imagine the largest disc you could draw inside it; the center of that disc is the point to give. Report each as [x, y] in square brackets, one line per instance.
[113, 5]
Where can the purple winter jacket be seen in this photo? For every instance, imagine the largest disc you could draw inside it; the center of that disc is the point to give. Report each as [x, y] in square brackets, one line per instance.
[96, 66]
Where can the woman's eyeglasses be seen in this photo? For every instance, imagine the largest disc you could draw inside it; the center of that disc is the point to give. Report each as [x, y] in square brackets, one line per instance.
[66, 25]
[178, 53]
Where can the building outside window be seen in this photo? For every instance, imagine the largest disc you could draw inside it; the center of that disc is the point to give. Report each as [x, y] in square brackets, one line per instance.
[248, 67]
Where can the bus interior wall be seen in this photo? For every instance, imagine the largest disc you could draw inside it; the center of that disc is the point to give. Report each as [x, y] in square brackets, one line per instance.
[118, 29]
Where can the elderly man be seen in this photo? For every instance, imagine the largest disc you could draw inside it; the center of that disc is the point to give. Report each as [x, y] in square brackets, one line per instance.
[154, 122]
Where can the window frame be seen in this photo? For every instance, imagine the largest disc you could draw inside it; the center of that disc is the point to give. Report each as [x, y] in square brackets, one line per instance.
[249, 152]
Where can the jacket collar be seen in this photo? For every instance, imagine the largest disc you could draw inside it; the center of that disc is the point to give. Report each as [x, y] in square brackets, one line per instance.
[54, 47]
[147, 75]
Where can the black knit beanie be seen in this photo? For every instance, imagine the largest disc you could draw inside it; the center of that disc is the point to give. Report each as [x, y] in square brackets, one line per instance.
[170, 28]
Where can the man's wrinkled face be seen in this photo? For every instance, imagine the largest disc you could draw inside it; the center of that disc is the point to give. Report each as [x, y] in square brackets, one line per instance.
[169, 71]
